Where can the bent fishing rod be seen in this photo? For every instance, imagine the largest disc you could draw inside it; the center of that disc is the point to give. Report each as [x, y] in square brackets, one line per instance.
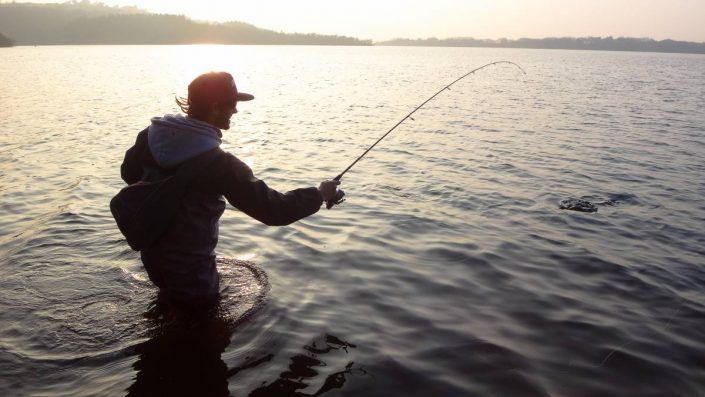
[339, 198]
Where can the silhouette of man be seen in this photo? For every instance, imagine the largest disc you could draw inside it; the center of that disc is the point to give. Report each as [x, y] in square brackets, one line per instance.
[182, 262]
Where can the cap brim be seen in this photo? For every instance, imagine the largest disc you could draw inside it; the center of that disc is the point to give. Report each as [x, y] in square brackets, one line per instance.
[242, 96]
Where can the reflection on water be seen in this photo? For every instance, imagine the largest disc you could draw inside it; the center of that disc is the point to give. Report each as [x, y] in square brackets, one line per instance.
[183, 354]
[183, 358]
[302, 371]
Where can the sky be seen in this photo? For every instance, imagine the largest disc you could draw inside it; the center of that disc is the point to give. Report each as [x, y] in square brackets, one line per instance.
[386, 19]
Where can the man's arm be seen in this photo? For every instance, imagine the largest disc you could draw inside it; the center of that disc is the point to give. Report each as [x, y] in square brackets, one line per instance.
[253, 197]
[131, 168]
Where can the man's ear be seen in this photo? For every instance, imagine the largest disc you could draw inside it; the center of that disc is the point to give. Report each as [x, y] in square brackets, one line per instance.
[214, 108]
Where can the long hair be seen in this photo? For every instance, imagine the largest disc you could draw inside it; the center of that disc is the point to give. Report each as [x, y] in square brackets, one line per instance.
[182, 103]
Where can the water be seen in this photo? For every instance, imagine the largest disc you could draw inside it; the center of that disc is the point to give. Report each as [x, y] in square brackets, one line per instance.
[449, 271]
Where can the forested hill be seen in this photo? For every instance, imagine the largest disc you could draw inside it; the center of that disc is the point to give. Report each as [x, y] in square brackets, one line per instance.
[95, 23]
[4, 41]
[562, 43]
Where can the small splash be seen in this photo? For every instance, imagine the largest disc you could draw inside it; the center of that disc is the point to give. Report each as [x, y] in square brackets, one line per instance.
[584, 205]
[580, 205]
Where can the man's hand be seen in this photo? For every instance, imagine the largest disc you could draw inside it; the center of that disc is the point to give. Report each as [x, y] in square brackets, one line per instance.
[328, 189]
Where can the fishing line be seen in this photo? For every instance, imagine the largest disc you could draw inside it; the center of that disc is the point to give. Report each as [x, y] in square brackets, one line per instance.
[339, 198]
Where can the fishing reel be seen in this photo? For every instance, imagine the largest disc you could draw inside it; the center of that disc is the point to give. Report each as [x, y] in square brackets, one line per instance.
[339, 198]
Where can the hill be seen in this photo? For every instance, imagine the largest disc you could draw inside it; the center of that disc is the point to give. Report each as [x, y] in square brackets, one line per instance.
[95, 23]
[562, 43]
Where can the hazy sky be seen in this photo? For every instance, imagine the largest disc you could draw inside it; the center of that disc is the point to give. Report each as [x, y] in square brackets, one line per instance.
[386, 19]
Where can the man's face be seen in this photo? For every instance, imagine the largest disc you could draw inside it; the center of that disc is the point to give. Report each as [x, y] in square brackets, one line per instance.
[223, 113]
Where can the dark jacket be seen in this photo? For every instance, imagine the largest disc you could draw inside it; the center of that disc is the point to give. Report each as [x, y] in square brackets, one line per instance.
[182, 263]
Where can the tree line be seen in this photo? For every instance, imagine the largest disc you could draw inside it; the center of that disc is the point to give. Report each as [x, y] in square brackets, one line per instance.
[562, 43]
[95, 23]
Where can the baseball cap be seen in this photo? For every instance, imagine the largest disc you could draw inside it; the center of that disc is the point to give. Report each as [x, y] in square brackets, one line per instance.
[215, 87]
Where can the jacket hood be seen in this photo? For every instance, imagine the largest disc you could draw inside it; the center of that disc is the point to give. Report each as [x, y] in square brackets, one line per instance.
[173, 139]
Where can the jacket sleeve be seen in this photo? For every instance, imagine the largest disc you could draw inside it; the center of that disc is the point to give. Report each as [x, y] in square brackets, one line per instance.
[131, 168]
[253, 197]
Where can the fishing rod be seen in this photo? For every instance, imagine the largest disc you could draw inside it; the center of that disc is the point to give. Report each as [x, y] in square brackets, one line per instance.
[340, 196]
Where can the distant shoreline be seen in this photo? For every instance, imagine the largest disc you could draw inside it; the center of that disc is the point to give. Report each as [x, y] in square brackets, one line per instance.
[343, 45]
[623, 44]
[85, 23]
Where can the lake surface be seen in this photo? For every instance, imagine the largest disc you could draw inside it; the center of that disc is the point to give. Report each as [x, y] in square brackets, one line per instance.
[449, 271]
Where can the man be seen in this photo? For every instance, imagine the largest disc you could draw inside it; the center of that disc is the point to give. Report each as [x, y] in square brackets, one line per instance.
[182, 262]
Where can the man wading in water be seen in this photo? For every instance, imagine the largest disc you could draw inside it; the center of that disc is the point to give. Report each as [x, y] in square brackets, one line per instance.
[182, 262]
